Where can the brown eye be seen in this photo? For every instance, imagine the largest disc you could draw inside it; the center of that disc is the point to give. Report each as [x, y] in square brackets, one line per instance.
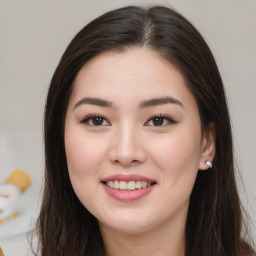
[95, 120]
[160, 121]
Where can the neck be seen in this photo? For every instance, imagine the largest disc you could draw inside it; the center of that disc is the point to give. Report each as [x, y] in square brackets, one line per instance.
[163, 240]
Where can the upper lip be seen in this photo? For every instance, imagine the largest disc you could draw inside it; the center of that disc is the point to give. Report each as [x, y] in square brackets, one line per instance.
[127, 177]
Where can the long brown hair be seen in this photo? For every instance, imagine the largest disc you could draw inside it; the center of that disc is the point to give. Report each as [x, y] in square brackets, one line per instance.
[214, 221]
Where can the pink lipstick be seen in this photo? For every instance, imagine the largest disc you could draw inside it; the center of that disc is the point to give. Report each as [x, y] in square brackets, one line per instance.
[128, 187]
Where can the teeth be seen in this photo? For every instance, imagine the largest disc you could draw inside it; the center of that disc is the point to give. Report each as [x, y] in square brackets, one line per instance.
[111, 184]
[138, 184]
[131, 185]
[116, 184]
[123, 185]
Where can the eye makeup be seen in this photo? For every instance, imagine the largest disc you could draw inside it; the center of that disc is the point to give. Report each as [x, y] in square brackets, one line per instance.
[95, 120]
[160, 120]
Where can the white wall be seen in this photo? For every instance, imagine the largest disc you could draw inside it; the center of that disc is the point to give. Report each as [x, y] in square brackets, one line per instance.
[34, 34]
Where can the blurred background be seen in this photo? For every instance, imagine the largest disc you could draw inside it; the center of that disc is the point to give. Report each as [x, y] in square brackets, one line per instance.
[34, 34]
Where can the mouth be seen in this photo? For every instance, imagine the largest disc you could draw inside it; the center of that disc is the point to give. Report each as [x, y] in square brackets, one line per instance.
[128, 186]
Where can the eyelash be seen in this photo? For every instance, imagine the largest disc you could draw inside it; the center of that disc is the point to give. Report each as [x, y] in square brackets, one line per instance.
[166, 118]
[92, 117]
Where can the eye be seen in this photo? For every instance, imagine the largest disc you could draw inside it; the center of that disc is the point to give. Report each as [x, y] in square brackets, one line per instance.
[160, 120]
[95, 120]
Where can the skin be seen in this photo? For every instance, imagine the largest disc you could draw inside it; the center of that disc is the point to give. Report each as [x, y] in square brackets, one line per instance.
[128, 141]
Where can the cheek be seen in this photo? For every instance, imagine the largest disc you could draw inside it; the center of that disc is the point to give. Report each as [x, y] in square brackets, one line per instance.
[84, 158]
[177, 150]
[83, 153]
[178, 159]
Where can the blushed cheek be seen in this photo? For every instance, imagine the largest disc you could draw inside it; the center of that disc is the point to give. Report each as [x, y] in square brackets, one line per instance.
[81, 168]
[179, 160]
[80, 158]
[85, 154]
[84, 159]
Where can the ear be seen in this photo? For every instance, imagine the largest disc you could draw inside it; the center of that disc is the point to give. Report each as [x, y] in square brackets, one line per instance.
[208, 147]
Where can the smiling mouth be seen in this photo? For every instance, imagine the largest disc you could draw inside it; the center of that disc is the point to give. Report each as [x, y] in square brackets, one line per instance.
[128, 186]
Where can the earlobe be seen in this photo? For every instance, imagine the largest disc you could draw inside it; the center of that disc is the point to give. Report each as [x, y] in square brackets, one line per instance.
[208, 148]
[209, 163]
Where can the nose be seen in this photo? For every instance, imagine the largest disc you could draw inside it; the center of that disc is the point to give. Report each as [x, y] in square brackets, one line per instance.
[127, 149]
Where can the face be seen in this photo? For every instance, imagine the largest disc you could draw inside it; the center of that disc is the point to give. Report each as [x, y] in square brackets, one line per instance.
[133, 140]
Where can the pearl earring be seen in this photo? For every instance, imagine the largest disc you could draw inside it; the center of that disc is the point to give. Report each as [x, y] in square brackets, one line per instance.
[209, 163]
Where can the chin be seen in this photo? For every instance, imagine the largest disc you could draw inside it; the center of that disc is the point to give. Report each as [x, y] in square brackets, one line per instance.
[128, 225]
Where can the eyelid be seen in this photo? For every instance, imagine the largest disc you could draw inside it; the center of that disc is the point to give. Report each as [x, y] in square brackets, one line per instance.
[165, 117]
[89, 117]
[169, 119]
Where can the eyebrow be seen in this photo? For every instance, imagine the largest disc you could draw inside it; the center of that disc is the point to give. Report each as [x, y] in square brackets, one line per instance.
[146, 103]
[160, 101]
[94, 101]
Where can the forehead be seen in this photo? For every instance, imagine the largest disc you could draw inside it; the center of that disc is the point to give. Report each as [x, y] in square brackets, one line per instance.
[130, 74]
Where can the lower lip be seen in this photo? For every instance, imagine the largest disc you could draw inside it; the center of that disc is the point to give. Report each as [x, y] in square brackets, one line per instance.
[127, 195]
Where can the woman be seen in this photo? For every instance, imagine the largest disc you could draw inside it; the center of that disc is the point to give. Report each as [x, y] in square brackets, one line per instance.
[138, 144]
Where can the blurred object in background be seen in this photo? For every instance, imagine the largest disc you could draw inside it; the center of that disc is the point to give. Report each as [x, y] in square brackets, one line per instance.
[10, 193]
